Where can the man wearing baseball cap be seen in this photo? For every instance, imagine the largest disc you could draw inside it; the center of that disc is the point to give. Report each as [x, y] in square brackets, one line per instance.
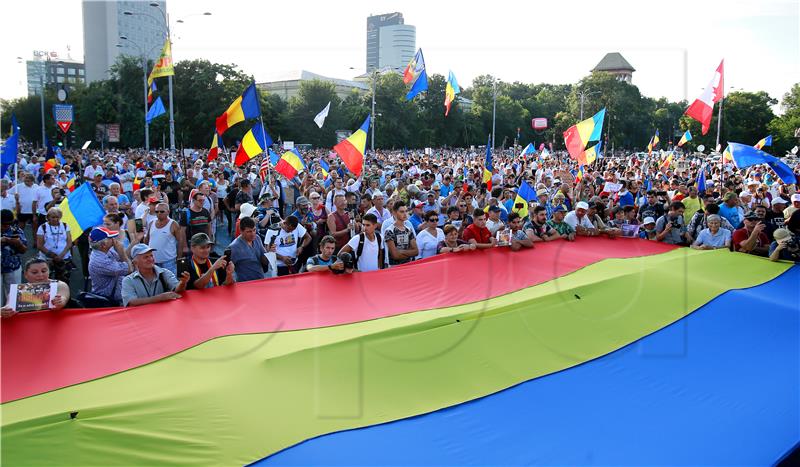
[203, 273]
[795, 199]
[108, 264]
[150, 283]
[579, 221]
[751, 238]
[195, 219]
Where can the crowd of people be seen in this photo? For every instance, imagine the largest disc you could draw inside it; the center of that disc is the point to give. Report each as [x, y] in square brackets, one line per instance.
[168, 218]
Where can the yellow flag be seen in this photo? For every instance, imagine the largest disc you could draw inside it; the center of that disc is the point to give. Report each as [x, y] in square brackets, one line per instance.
[163, 67]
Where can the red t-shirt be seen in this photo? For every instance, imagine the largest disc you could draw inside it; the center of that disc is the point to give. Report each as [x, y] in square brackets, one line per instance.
[481, 235]
[740, 235]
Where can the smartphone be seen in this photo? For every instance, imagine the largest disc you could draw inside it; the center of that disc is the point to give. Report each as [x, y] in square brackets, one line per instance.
[227, 254]
[139, 225]
[183, 265]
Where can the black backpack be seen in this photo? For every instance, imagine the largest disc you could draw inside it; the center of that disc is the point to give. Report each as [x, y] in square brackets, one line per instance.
[361, 238]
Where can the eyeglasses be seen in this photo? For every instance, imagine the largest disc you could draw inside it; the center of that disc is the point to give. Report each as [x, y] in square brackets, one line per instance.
[161, 212]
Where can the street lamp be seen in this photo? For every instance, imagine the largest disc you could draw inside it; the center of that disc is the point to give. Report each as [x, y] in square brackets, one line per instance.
[583, 95]
[165, 17]
[144, 83]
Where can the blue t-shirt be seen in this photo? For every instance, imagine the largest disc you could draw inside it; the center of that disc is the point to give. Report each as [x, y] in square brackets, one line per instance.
[732, 214]
[626, 199]
[705, 237]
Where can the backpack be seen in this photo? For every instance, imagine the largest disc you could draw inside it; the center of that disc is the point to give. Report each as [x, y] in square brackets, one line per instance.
[361, 238]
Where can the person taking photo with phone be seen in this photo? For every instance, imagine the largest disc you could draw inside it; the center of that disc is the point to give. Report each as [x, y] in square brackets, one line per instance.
[203, 274]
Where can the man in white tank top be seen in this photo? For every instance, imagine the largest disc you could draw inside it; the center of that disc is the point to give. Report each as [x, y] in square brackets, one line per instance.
[163, 235]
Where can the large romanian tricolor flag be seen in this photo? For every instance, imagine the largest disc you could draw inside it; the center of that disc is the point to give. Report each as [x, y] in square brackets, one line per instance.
[580, 136]
[352, 149]
[553, 355]
[243, 107]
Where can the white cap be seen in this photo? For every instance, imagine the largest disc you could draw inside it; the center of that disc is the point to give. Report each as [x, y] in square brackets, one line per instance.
[779, 201]
[796, 198]
[753, 182]
[582, 205]
[246, 210]
[648, 220]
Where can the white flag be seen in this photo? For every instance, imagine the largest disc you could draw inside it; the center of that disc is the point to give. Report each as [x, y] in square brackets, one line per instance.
[320, 118]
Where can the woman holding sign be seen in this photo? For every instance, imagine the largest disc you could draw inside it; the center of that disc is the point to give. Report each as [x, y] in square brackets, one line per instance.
[54, 294]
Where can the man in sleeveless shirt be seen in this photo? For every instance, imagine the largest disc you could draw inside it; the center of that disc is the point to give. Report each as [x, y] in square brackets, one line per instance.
[164, 235]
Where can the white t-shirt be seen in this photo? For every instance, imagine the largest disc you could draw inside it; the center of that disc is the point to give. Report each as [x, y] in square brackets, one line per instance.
[286, 243]
[381, 217]
[427, 243]
[55, 238]
[27, 195]
[494, 226]
[8, 201]
[572, 219]
[44, 196]
[142, 211]
[368, 261]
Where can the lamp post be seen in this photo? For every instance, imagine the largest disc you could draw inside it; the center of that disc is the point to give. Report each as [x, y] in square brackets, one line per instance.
[372, 113]
[144, 83]
[165, 17]
[494, 108]
[583, 95]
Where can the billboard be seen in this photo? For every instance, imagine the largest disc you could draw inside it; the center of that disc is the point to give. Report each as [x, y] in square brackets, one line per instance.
[539, 123]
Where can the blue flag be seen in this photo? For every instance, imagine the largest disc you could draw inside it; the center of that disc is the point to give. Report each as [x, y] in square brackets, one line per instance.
[155, 110]
[9, 153]
[701, 180]
[744, 156]
[421, 84]
[60, 157]
[14, 124]
[273, 157]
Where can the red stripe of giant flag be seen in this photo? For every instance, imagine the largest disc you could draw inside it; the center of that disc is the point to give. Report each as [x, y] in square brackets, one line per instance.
[352, 149]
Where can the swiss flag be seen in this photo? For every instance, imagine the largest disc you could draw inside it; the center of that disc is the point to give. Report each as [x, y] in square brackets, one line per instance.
[64, 126]
[703, 107]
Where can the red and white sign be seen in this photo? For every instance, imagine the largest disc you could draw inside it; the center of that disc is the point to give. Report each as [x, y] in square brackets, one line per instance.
[63, 115]
[539, 123]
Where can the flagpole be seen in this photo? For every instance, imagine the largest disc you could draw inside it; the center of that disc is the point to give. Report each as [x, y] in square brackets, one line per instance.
[719, 126]
[146, 123]
[265, 151]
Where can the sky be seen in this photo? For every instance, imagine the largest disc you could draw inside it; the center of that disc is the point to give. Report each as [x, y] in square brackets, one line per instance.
[674, 45]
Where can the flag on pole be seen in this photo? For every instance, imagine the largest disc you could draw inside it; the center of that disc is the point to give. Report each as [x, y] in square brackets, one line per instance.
[254, 143]
[14, 123]
[415, 74]
[524, 195]
[9, 152]
[579, 174]
[244, 106]
[163, 66]
[529, 149]
[352, 149]
[744, 156]
[274, 157]
[487, 166]
[579, 136]
[414, 68]
[81, 210]
[450, 92]
[653, 143]
[593, 153]
[703, 107]
[150, 90]
[320, 118]
[264, 169]
[701, 180]
[764, 142]
[213, 153]
[290, 164]
[685, 138]
[156, 110]
[667, 162]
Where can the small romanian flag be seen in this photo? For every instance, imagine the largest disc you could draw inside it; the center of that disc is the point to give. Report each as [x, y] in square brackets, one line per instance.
[524, 195]
[81, 210]
[70, 186]
[213, 153]
[352, 149]
[245, 106]
[254, 143]
[579, 175]
[487, 168]
[290, 164]
[667, 162]
[450, 92]
[764, 142]
[685, 138]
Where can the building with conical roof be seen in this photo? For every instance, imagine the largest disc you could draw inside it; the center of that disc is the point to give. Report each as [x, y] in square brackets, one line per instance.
[616, 64]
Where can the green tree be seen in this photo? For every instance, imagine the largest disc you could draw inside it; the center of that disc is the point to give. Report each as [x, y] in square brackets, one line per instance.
[784, 129]
[312, 97]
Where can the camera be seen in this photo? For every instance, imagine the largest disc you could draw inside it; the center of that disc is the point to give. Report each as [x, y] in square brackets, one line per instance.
[347, 259]
[675, 224]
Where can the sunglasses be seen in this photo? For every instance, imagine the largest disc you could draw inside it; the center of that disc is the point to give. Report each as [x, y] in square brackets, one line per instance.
[161, 212]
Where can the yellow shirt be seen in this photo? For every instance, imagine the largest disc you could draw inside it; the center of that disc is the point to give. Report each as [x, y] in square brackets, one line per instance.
[692, 206]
